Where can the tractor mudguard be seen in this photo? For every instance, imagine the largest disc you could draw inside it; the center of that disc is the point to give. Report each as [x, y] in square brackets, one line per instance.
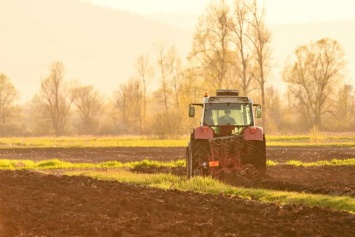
[203, 132]
[252, 133]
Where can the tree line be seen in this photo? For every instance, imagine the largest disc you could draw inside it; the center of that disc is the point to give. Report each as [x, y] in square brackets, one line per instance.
[230, 49]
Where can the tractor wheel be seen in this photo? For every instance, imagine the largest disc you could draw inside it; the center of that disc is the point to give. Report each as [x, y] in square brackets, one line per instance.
[199, 153]
[188, 161]
[257, 156]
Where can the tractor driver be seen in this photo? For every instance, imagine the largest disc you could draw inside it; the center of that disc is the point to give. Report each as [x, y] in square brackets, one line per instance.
[226, 119]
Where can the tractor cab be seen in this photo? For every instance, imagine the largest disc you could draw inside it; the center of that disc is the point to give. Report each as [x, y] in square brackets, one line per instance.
[227, 113]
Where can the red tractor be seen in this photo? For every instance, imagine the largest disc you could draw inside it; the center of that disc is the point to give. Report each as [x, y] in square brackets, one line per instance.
[227, 140]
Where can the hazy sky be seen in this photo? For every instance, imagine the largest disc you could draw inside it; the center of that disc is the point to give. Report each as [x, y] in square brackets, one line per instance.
[185, 13]
[278, 11]
[29, 42]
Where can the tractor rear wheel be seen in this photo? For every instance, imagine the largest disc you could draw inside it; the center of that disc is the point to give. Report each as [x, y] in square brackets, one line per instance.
[188, 161]
[198, 154]
[257, 155]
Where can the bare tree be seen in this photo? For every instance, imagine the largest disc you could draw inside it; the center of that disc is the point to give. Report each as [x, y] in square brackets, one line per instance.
[240, 26]
[260, 38]
[129, 101]
[314, 77]
[211, 44]
[167, 124]
[173, 63]
[274, 114]
[344, 110]
[145, 73]
[122, 102]
[89, 104]
[53, 100]
[162, 63]
[8, 95]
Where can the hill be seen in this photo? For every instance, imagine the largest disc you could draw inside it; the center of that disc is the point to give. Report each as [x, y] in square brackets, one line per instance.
[97, 45]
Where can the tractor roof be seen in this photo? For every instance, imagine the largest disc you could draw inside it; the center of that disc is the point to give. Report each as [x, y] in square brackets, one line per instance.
[226, 96]
[227, 92]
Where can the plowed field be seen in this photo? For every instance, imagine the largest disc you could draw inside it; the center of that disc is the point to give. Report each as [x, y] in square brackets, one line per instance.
[34, 204]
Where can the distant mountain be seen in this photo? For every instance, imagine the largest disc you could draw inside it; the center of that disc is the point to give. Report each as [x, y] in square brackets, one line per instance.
[100, 45]
[97, 45]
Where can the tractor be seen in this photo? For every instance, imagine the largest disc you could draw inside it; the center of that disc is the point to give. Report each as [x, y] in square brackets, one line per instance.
[227, 140]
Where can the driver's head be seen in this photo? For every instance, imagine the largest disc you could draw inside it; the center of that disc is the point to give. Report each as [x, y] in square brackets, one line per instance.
[227, 111]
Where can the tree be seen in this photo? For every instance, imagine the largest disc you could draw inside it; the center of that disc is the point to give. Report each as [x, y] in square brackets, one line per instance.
[8, 95]
[240, 26]
[173, 64]
[211, 45]
[167, 124]
[233, 49]
[89, 104]
[145, 74]
[314, 77]
[53, 100]
[260, 39]
[164, 85]
[129, 102]
[122, 102]
[275, 115]
[344, 111]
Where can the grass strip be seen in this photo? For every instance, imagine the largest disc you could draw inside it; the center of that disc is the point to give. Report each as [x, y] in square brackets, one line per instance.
[84, 142]
[333, 162]
[8, 164]
[60, 164]
[211, 186]
[309, 144]
[271, 163]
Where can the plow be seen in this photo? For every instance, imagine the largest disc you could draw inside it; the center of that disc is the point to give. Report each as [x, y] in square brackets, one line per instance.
[226, 157]
[221, 148]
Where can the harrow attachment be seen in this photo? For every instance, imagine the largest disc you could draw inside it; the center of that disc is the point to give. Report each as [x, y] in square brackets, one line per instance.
[226, 157]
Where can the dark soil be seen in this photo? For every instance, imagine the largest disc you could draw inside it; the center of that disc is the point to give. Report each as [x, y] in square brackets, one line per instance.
[33, 204]
[126, 154]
